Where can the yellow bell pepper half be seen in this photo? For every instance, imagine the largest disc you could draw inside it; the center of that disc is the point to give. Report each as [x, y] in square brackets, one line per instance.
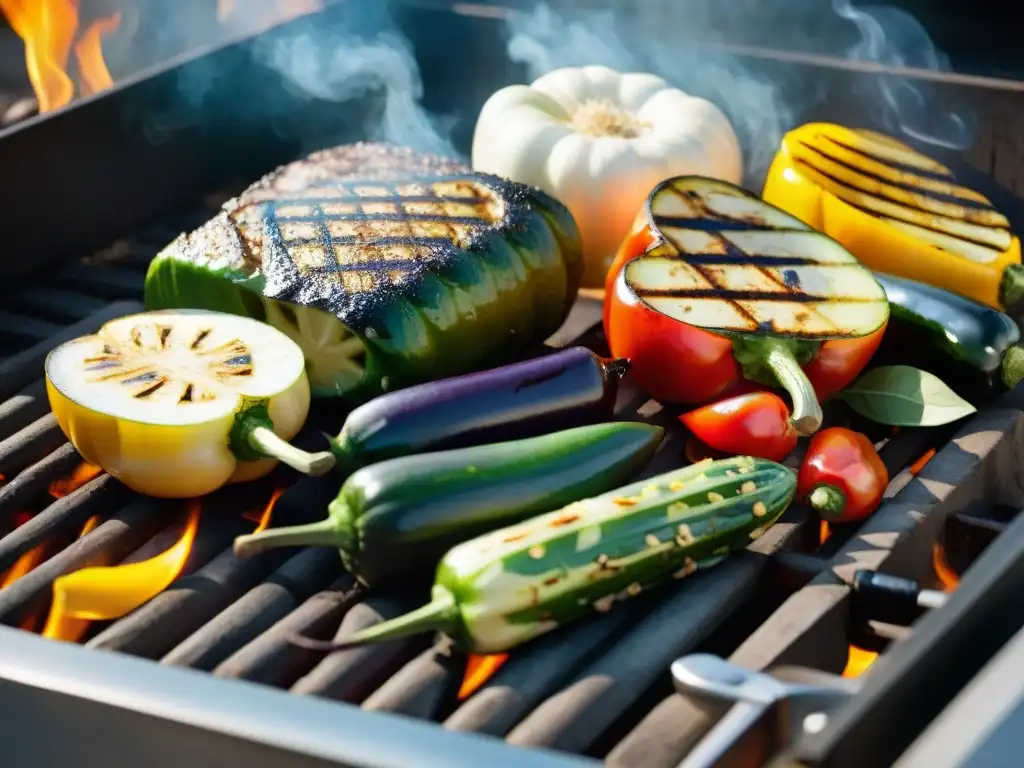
[897, 211]
[178, 403]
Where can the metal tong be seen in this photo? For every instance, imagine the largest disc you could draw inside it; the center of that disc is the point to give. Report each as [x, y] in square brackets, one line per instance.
[768, 712]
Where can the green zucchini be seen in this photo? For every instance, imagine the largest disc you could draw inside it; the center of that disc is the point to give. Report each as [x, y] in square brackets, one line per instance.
[511, 585]
[400, 516]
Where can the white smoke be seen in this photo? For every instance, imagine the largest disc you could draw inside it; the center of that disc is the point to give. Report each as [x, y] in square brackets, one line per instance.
[688, 44]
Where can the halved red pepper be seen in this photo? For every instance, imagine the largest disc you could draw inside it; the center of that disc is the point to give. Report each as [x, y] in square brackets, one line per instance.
[713, 285]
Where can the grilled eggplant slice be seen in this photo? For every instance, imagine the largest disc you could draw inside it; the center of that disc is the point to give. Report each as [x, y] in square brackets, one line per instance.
[730, 285]
[897, 210]
[387, 267]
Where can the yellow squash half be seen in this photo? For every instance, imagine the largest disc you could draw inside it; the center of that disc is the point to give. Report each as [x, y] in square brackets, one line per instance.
[897, 210]
[178, 403]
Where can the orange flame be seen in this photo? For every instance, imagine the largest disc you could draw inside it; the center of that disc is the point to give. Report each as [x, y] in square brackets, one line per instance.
[858, 661]
[83, 474]
[23, 565]
[263, 518]
[918, 465]
[89, 54]
[103, 593]
[479, 669]
[48, 28]
[948, 578]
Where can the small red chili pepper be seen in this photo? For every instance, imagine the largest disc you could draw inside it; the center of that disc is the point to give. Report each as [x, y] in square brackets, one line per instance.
[755, 424]
[842, 477]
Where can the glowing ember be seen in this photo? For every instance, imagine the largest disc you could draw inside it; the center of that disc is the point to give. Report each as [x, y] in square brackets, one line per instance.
[23, 565]
[83, 474]
[108, 593]
[48, 28]
[918, 465]
[263, 518]
[948, 578]
[479, 669]
[823, 533]
[858, 661]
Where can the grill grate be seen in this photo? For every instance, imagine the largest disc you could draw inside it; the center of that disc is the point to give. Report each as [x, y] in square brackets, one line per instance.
[598, 688]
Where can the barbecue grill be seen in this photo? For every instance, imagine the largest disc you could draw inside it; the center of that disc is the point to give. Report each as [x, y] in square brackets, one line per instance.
[754, 662]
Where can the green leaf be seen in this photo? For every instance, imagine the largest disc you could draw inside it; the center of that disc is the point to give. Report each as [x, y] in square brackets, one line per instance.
[905, 397]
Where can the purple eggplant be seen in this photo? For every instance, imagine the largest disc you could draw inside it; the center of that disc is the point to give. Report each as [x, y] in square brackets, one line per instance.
[565, 389]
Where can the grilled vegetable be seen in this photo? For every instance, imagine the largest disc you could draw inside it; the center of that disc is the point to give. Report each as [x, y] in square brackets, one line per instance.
[897, 211]
[598, 140]
[969, 337]
[177, 404]
[755, 424]
[388, 268]
[511, 585]
[726, 286]
[842, 478]
[558, 391]
[400, 516]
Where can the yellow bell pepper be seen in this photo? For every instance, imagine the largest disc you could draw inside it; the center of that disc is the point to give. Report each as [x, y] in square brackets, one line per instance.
[897, 211]
[178, 403]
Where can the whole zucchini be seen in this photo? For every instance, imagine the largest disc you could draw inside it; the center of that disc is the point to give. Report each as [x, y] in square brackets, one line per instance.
[968, 345]
[387, 267]
[400, 516]
[511, 585]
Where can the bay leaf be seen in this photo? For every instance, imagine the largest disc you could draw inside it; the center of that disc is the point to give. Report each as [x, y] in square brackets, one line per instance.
[902, 396]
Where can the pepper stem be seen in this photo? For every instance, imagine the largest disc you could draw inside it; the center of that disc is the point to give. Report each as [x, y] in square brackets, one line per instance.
[1013, 366]
[1011, 285]
[265, 442]
[439, 615]
[344, 456]
[828, 501]
[807, 415]
[321, 534]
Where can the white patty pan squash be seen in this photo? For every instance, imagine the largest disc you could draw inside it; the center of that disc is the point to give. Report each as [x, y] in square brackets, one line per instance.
[599, 141]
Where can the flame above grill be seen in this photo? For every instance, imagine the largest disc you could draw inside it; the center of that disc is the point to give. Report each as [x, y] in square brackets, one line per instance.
[49, 29]
[107, 593]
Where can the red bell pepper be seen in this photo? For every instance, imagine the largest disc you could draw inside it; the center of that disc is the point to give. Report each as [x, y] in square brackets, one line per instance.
[713, 286]
[755, 424]
[842, 477]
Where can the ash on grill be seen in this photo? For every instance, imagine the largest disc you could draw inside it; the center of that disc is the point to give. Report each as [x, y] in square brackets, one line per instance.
[600, 688]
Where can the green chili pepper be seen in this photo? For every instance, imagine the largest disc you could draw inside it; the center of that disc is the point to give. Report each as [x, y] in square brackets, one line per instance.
[976, 344]
[511, 585]
[388, 268]
[400, 516]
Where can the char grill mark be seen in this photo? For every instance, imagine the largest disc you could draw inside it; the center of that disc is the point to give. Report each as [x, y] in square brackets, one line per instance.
[362, 216]
[892, 182]
[716, 268]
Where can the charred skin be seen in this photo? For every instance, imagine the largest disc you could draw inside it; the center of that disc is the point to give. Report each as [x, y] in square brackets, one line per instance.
[389, 268]
[897, 210]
